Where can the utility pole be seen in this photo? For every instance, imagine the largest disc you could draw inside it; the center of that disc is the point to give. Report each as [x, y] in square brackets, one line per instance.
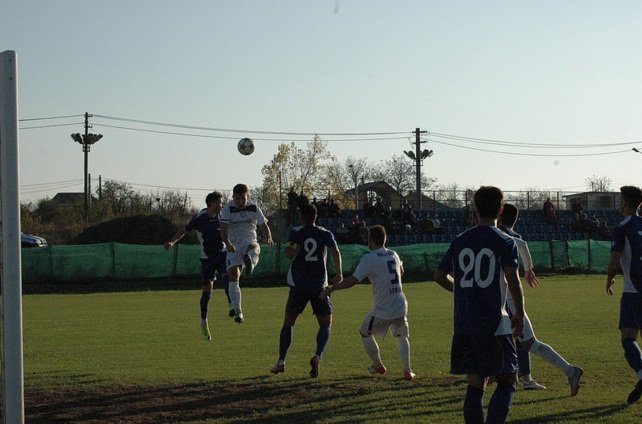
[86, 140]
[418, 156]
[418, 166]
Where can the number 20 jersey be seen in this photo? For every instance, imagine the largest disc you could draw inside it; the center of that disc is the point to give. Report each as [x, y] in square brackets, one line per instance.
[308, 269]
[476, 259]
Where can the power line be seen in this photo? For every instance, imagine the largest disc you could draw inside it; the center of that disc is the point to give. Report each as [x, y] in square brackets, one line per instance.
[235, 138]
[192, 127]
[50, 126]
[528, 154]
[50, 117]
[521, 144]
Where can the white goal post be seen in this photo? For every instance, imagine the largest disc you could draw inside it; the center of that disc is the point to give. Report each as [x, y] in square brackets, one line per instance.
[11, 262]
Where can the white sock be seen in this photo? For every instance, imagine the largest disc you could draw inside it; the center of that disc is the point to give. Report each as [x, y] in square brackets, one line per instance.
[403, 346]
[235, 295]
[548, 354]
[372, 349]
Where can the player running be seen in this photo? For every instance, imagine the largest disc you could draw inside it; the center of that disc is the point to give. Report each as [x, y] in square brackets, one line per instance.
[308, 246]
[207, 224]
[626, 251]
[384, 269]
[527, 340]
[480, 264]
[239, 219]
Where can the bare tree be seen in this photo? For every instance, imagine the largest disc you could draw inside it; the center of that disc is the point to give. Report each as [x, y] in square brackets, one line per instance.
[600, 184]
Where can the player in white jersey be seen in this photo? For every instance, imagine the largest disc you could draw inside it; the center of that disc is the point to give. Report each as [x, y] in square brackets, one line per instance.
[239, 221]
[383, 268]
[527, 340]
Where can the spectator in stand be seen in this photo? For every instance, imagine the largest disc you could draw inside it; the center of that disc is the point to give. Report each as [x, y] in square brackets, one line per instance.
[293, 201]
[368, 209]
[342, 233]
[426, 226]
[334, 209]
[302, 200]
[549, 212]
[379, 209]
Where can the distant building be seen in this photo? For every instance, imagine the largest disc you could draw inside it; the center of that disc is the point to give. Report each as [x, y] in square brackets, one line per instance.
[594, 200]
[68, 200]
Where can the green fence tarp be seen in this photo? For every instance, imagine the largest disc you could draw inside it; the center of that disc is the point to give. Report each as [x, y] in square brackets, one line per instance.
[135, 262]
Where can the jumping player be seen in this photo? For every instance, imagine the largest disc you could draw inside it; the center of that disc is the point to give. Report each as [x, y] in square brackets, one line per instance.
[384, 269]
[308, 246]
[239, 219]
[626, 251]
[527, 341]
[207, 224]
[480, 264]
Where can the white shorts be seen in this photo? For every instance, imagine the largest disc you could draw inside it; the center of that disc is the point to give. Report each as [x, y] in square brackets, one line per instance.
[253, 250]
[374, 326]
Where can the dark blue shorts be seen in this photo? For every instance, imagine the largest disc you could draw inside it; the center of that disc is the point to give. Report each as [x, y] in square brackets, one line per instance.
[483, 355]
[299, 298]
[210, 266]
[630, 311]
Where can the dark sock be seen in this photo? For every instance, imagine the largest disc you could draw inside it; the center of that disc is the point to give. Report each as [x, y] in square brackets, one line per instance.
[323, 336]
[205, 300]
[632, 353]
[285, 340]
[524, 360]
[473, 407]
[226, 286]
[499, 404]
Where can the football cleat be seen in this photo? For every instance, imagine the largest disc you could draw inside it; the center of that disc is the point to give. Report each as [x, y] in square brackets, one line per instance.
[231, 313]
[533, 385]
[636, 393]
[278, 368]
[574, 381]
[377, 369]
[314, 366]
[205, 330]
[249, 266]
[409, 375]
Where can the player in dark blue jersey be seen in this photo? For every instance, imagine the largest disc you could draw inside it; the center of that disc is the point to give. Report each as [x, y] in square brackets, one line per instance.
[626, 252]
[207, 225]
[480, 264]
[308, 246]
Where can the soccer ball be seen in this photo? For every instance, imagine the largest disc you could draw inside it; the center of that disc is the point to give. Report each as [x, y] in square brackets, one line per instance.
[246, 146]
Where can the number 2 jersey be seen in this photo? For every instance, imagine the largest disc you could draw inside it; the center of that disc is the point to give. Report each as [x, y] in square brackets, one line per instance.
[308, 269]
[383, 268]
[476, 259]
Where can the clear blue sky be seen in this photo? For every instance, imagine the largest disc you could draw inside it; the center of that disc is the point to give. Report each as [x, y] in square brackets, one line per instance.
[564, 76]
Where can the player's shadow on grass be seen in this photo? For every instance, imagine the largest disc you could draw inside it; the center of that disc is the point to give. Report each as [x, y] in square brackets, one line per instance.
[271, 400]
[268, 399]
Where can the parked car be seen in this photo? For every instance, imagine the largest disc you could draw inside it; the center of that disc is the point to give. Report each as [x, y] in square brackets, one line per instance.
[29, 240]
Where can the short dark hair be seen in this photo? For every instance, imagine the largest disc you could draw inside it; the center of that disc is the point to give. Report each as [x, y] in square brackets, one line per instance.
[211, 197]
[240, 189]
[509, 214]
[632, 196]
[377, 233]
[488, 201]
[308, 213]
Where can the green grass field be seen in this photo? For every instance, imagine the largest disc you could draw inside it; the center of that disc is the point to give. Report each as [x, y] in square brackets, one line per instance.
[138, 357]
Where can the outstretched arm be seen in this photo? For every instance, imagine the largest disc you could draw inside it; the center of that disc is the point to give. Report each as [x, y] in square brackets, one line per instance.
[175, 238]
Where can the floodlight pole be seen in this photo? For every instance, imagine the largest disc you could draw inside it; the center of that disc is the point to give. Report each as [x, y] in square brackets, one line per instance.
[86, 140]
